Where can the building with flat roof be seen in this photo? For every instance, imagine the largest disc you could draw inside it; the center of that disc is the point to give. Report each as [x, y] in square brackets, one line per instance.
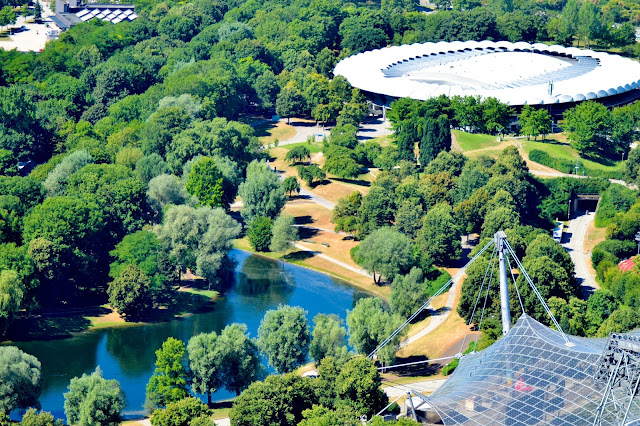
[515, 73]
[73, 12]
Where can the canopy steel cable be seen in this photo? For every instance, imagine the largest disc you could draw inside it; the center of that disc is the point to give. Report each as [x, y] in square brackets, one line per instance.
[532, 285]
[484, 307]
[515, 284]
[428, 302]
[475, 305]
[388, 405]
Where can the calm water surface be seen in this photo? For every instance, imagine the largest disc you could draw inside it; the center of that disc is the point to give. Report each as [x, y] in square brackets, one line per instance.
[128, 354]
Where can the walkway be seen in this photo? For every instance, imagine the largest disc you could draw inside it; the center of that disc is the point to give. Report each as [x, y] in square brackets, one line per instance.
[334, 261]
[576, 232]
[438, 317]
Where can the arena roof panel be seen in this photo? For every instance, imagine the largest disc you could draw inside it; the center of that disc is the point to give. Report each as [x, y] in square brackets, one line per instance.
[511, 72]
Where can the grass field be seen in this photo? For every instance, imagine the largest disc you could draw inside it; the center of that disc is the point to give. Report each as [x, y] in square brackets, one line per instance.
[473, 141]
[269, 132]
[313, 147]
[564, 151]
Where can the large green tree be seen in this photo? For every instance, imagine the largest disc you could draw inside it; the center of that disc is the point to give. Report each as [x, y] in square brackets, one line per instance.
[169, 380]
[358, 387]
[385, 253]
[368, 324]
[439, 237]
[262, 193]
[206, 182]
[588, 124]
[239, 359]
[283, 233]
[204, 364]
[93, 400]
[198, 239]
[284, 337]
[329, 338]
[130, 293]
[19, 379]
[184, 412]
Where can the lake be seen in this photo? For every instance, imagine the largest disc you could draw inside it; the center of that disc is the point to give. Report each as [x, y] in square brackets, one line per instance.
[127, 354]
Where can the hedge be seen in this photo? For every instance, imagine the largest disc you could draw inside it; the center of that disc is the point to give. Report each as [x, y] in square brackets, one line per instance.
[566, 166]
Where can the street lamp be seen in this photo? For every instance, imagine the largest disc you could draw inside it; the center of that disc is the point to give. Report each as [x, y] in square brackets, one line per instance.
[576, 167]
[638, 240]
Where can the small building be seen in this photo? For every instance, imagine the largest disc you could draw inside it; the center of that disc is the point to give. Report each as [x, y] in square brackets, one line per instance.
[73, 12]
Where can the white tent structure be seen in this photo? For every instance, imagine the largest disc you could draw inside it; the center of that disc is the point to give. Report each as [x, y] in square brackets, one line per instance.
[515, 73]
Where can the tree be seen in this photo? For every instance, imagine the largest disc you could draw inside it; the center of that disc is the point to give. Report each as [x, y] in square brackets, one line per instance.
[298, 153]
[279, 400]
[198, 238]
[284, 233]
[205, 181]
[408, 217]
[344, 214]
[44, 418]
[311, 174]
[436, 137]
[499, 219]
[169, 380]
[439, 237]
[291, 185]
[7, 16]
[166, 189]
[260, 233]
[319, 415]
[368, 324]
[290, 102]
[385, 252]
[204, 364]
[150, 166]
[11, 294]
[364, 31]
[180, 413]
[534, 122]
[239, 360]
[339, 161]
[588, 124]
[408, 292]
[37, 11]
[20, 378]
[93, 400]
[329, 338]
[261, 193]
[58, 178]
[358, 387]
[129, 293]
[284, 338]
[143, 249]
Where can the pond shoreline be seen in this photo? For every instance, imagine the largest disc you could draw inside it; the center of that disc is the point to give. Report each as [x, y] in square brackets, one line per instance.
[95, 324]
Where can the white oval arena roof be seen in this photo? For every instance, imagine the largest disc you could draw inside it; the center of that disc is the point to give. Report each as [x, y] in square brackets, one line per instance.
[515, 73]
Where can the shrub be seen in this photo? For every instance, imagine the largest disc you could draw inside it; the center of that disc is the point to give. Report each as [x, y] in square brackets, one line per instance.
[259, 233]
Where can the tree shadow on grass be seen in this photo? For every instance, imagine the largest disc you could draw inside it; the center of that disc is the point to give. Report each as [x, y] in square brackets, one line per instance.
[264, 129]
[299, 255]
[423, 369]
[303, 220]
[54, 325]
[364, 183]
[305, 233]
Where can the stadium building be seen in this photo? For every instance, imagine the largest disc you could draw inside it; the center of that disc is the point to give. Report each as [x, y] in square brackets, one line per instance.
[515, 73]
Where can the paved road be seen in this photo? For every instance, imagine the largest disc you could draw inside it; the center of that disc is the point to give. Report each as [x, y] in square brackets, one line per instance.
[574, 236]
[334, 261]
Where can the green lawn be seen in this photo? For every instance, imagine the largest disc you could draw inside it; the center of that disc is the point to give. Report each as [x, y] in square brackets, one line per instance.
[564, 151]
[474, 141]
[313, 147]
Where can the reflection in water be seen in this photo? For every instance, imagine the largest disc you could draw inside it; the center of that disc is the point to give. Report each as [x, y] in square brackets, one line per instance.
[128, 354]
